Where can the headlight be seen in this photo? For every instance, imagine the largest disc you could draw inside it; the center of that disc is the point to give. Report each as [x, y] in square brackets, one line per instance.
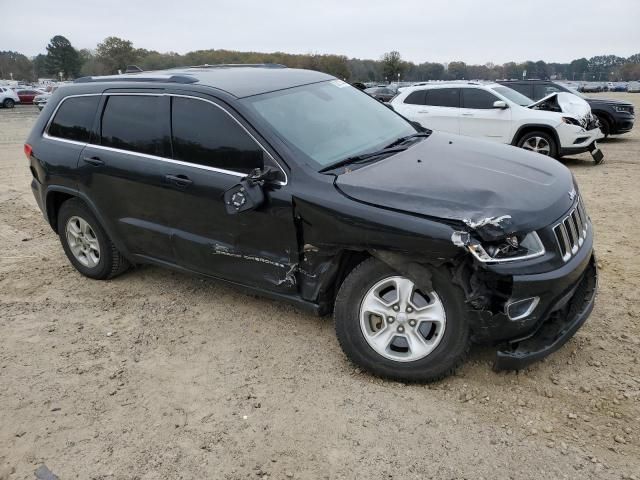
[622, 108]
[509, 249]
[571, 121]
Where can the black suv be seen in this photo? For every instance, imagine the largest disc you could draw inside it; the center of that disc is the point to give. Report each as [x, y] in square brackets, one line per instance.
[615, 116]
[296, 185]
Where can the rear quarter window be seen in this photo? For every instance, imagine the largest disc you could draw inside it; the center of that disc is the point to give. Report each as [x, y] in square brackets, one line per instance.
[73, 120]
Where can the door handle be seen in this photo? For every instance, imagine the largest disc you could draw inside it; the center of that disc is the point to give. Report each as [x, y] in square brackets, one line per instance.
[468, 114]
[95, 161]
[179, 180]
[423, 111]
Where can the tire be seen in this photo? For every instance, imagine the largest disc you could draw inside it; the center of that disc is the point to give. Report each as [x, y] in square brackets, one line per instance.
[546, 144]
[8, 103]
[450, 345]
[94, 255]
[605, 126]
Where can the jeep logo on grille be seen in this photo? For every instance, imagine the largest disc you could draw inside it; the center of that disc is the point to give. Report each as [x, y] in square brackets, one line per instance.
[572, 194]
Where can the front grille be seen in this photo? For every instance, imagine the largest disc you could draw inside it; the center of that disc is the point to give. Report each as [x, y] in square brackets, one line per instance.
[571, 231]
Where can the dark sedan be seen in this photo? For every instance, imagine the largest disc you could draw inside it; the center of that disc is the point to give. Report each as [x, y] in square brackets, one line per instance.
[384, 94]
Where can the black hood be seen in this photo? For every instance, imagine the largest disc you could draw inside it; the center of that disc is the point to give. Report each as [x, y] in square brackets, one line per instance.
[487, 186]
[605, 101]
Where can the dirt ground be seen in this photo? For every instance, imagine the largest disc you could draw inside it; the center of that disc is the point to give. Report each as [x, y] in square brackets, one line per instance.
[159, 375]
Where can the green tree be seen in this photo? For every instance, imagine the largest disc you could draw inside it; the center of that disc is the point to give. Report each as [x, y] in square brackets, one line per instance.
[115, 54]
[62, 57]
[392, 65]
[457, 70]
[15, 64]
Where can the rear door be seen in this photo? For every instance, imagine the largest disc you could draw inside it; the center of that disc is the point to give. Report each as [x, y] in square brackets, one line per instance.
[122, 171]
[441, 110]
[213, 149]
[479, 118]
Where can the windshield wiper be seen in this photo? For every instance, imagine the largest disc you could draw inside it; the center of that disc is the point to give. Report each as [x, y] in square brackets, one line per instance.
[408, 137]
[365, 157]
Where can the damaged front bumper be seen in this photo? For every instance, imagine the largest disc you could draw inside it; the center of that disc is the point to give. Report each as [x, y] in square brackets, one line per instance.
[567, 299]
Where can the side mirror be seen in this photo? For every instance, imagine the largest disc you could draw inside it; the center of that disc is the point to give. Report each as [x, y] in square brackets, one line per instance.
[248, 194]
[500, 104]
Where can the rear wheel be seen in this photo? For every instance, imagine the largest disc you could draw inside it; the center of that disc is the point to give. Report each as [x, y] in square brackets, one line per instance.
[387, 325]
[8, 103]
[539, 142]
[86, 244]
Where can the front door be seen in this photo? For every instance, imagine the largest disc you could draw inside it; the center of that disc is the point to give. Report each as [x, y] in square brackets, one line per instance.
[480, 119]
[213, 151]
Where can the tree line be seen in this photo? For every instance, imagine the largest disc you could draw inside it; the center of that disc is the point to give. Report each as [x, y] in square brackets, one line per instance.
[63, 61]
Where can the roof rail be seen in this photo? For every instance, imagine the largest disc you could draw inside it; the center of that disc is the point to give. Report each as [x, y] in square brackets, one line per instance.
[232, 65]
[139, 78]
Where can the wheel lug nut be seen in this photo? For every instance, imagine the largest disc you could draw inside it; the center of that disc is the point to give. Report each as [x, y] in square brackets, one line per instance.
[409, 309]
[400, 329]
[412, 323]
[391, 319]
[396, 308]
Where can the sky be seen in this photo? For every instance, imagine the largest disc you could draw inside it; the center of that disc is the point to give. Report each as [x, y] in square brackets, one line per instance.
[473, 31]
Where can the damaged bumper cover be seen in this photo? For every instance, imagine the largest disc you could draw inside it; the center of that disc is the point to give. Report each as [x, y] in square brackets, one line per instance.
[567, 297]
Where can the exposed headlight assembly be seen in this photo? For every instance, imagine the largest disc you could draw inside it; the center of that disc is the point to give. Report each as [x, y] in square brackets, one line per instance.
[509, 249]
[571, 121]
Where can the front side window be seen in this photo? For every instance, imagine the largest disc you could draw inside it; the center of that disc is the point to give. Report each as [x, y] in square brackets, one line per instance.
[443, 97]
[477, 99]
[205, 134]
[329, 121]
[512, 95]
[135, 123]
[522, 88]
[74, 118]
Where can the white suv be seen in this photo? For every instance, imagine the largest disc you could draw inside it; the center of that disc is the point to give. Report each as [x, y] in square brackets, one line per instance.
[8, 97]
[559, 124]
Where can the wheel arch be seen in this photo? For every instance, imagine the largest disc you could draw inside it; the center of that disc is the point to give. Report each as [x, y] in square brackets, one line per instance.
[54, 198]
[536, 127]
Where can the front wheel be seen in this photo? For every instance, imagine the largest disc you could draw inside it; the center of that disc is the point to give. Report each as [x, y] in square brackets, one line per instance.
[8, 103]
[387, 325]
[539, 142]
[605, 126]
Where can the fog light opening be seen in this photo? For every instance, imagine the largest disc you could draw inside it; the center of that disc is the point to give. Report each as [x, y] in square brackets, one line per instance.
[520, 309]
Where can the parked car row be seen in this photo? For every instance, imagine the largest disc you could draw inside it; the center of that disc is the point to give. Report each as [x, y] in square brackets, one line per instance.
[10, 96]
[293, 184]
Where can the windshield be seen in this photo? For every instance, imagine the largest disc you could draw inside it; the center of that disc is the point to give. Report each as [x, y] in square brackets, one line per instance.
[329, 121]
[511, 94]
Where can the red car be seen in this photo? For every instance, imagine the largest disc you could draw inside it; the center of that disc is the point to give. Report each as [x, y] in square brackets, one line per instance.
[27, 96]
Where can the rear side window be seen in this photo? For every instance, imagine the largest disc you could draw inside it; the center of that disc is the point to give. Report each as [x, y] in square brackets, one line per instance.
[416, 98]
[443, 97]
[74, 118]
[476, 98]
[135, 123]
[206, 135]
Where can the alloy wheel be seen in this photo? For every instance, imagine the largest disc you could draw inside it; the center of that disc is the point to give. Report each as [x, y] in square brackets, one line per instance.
[399, 321]
[83, 242]
[538, 145]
